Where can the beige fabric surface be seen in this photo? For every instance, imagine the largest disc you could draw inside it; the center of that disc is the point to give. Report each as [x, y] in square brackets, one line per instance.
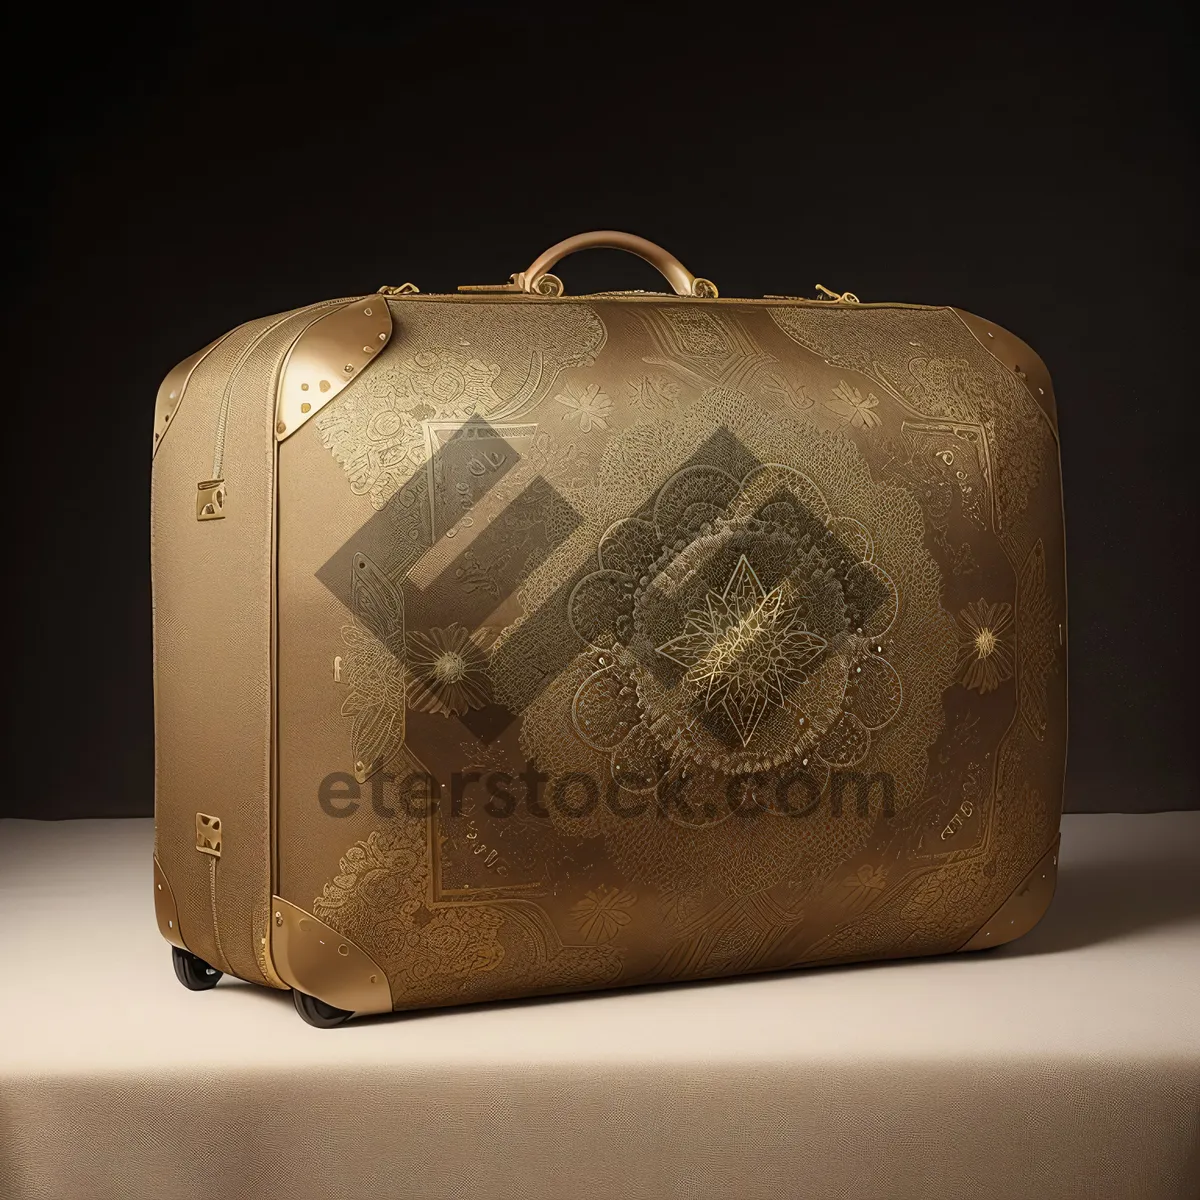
[1064, 1065]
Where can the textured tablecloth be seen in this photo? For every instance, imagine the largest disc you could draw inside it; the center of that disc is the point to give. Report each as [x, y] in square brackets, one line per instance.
[1065, 1064]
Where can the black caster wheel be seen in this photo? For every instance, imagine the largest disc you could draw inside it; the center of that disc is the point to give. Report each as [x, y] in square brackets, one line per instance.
[317, 1012]
[194, 973]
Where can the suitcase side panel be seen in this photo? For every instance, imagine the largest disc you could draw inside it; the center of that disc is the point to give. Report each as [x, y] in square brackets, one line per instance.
[212, 546]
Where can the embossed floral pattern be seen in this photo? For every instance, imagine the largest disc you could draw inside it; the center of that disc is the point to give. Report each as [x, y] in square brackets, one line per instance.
[985, 658]
[863, 886]
[849, 402]
[448, 670]
[603, 913]
[653, 393]
[587, 405]
[376, 430]
[379, 896]
[373, 666]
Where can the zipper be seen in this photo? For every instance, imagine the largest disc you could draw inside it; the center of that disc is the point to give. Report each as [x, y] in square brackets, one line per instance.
[511, 291]
[830, 297]
[211, 493]
[222, 424]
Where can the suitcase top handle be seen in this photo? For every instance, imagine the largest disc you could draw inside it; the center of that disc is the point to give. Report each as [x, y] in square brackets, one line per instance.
[537, 280]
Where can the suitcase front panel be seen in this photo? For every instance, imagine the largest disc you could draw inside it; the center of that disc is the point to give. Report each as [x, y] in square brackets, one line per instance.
[624, 641]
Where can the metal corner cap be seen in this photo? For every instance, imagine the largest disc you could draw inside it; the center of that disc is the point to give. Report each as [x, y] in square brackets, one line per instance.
[1018, 357]
[314, 958]
[330, 353]
[1023, 909]
[165, 909]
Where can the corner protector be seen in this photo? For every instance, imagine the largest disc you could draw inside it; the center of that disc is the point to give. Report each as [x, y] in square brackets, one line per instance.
[327, 356]
[314, 958]
[164, 908]
[1018, 357]
[1023, 909]
[170, 392]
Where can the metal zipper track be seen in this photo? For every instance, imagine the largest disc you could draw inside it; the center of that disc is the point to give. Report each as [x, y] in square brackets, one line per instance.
[227, 396]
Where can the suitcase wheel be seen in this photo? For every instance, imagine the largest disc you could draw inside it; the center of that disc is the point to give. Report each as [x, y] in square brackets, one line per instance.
[194, 973]
[317, 1012]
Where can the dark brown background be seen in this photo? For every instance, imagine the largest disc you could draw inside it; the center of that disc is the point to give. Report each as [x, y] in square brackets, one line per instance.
[175, 176]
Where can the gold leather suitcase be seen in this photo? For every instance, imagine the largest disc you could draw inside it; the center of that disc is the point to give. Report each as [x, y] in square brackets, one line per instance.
[509, 642]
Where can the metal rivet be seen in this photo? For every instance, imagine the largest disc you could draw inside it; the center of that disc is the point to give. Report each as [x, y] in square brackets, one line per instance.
[343, 950]
[383, 337]
[166, 417]
[280, 427]
[279, 918]
[325, 385]
[366, 312]
[170, 924]
[160, 887]
[305, 407]
[304, 387]
[172, 395]
[374, 978]
[348, 368]
[990, 333]
[368, 349]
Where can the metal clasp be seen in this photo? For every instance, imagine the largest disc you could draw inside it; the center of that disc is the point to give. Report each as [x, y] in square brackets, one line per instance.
[837, 297]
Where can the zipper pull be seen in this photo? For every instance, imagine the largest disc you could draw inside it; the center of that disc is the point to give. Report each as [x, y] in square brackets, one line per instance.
[210, 500]
[405, 289]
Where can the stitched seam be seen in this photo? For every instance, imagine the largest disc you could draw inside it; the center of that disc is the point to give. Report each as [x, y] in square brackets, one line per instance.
[212, 893]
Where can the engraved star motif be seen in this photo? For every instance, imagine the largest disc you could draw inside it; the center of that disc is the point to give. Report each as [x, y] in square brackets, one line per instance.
[744, 650]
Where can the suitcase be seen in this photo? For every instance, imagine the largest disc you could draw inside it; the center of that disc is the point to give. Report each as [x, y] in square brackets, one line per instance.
[511, 643]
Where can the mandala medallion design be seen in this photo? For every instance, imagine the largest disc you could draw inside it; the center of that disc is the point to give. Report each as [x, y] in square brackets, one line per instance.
[744, 650]
[768, 613]
[754, 642]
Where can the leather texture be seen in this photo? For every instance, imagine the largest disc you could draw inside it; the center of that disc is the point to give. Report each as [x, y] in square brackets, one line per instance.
[592, 641]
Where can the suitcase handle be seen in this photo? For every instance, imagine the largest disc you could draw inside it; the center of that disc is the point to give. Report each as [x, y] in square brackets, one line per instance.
[537, 279]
